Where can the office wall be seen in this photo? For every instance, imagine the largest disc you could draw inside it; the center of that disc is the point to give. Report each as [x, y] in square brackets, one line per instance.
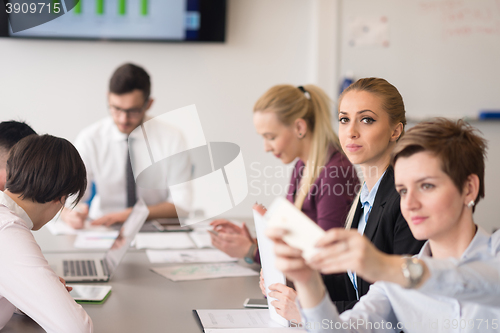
[59, 87]
[427, 45]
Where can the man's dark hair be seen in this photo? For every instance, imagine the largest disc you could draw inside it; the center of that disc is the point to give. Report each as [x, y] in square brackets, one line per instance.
[129, 77]
[13, 131]
[45, 168]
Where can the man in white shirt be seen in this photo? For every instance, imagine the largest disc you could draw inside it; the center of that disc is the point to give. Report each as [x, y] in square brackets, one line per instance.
[42, 171]
[10, 133]
[104, 150]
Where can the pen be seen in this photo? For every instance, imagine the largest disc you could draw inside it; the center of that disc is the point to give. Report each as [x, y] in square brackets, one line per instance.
[158, 226]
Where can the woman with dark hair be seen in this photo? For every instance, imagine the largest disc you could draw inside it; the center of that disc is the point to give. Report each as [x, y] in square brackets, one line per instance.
[42, 171]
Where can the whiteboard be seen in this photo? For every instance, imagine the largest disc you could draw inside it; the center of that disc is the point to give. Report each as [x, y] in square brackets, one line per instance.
[442, 55]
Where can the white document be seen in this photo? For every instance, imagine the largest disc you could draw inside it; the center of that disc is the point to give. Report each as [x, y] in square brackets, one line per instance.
[267, 258]
[163, 240]
[59, 227]
[188, 256]
[203, 271]
[255, 330]
[95, 240]
[201, 238]
[236, 318]
[303, 233]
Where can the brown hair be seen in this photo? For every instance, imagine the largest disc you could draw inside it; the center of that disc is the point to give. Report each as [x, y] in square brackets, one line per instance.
[461, 150]
[392, 101]
[129, 77]
[45, 168]
[313, 105]
[10, 133]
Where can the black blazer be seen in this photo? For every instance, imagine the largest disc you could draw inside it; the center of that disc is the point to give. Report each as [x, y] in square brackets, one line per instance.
[387, 229]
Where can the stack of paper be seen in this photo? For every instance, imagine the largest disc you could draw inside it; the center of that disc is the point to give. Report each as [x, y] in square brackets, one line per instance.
[201, 238]
[205, 271]
[59, 227]
[164, 240]
[255, 330]
[240, 320]
[95, 240]
[188, 256]
[173, 240]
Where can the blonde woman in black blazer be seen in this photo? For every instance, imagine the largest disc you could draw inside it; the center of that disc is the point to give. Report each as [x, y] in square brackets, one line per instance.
[372, 119]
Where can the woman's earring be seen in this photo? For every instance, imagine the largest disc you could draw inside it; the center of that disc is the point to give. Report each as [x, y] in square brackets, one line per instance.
[300, 135]
[471, 204]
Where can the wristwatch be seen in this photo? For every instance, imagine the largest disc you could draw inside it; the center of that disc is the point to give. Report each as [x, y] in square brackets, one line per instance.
[413, 272]
[249, 256]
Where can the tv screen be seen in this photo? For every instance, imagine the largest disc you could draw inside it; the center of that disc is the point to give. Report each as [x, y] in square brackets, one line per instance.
[135, 20]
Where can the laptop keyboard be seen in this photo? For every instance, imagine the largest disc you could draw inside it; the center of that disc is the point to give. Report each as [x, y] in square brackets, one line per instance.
[79, 268]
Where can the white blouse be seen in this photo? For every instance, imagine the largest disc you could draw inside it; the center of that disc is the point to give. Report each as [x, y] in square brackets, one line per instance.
[462, 295]
[26, 280]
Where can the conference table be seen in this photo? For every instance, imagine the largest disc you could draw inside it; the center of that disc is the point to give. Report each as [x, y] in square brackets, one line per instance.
[144, 301]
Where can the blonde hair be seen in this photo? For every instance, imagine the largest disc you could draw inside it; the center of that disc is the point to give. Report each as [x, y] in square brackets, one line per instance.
[352, 211]
[313, 105]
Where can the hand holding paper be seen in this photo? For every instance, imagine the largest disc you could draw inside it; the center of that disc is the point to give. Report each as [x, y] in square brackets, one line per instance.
[301, 232]
[262, 284]
[285, 302]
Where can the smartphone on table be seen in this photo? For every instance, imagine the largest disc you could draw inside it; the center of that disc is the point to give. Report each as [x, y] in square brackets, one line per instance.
[255, 303]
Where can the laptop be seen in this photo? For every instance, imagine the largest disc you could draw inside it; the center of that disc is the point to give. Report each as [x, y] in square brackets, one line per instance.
[94, 267]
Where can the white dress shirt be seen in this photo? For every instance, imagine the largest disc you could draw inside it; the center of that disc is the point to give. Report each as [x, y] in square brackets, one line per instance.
[26, 280]
[103, 149]
[461, 295]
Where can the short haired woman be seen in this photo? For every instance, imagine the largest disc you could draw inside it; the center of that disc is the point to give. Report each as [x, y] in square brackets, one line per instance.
[452, 284]
[42, 171]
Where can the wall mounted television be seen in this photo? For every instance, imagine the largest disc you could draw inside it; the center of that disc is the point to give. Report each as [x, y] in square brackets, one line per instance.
[121, 20]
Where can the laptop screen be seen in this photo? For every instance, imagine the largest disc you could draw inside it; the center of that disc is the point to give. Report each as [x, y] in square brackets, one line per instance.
[127, 234]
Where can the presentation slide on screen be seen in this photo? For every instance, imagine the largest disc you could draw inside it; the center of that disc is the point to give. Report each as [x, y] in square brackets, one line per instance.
[121, 19]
